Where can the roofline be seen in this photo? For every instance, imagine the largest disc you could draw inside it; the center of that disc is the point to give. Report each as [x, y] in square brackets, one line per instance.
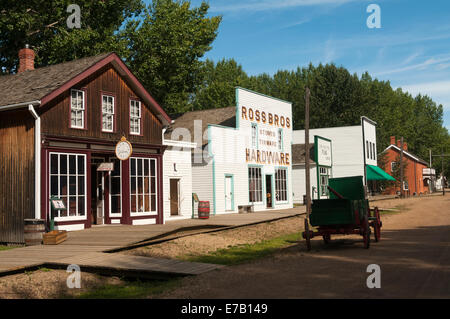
[180, 144]
[365, 118]
[112, 57]
[19, 105]
[261, 94]
[407, 153]
[329, 128]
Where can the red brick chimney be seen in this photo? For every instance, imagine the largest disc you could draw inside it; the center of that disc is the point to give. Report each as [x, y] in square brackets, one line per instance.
[26, 59]
[405, 146]
[392, 140]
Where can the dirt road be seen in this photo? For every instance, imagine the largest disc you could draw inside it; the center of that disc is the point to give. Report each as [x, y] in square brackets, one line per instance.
[414, 257]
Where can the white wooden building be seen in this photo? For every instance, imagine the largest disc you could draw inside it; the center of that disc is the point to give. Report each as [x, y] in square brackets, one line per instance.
[243, 158]
[353, 148]
[177, 183]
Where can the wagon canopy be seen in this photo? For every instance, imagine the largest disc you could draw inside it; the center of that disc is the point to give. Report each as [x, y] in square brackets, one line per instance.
[374, 173]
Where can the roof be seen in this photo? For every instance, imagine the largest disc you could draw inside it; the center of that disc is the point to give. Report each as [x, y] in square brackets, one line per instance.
[220, 116]
[414, 157]
[34, 85]
[299, 153]
[46, 83]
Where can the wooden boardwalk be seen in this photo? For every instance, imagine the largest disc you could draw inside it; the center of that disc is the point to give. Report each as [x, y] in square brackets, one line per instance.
[87, 248]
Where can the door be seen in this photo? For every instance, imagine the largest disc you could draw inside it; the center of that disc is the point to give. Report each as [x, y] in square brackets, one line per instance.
[174, 197]
[100, 198]
[269, 192]
[229, 200]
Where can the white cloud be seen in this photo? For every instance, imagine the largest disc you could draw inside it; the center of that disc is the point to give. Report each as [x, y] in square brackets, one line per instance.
[264, 5]
[439, 91]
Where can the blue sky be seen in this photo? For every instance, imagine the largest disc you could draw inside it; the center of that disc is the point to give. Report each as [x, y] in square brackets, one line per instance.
[411, 50]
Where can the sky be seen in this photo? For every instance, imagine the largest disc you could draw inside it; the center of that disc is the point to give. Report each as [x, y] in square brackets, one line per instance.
[411, 49]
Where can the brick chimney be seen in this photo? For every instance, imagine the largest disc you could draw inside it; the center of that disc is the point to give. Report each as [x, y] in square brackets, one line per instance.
[26, 59]
[392, 140]
[405, 146]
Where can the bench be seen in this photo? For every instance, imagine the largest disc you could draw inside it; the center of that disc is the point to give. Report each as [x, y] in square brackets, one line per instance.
[245, 209]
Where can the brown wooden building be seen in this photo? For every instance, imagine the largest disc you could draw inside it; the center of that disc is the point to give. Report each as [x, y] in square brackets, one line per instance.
[58, 125]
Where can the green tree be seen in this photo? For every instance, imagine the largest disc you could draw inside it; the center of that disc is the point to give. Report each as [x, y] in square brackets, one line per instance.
[218, 86]
[42, 25]
[166, 47]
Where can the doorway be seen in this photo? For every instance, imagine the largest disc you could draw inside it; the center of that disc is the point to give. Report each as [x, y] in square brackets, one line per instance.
[229, 193]
[269, 191]
[174, 197]
[97, 193]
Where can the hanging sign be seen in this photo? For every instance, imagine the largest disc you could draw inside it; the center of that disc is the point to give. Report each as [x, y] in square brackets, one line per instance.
[57, 203]
[105, 167]
[124, 149]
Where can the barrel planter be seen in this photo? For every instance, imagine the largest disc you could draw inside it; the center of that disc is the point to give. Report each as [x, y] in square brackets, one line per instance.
[33, 231]
[203, 210]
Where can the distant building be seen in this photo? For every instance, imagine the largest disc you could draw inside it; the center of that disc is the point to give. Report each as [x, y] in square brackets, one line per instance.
[415, 183]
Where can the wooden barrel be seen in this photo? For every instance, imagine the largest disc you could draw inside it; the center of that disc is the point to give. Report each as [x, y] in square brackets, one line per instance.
[33, 231]
[203, 210]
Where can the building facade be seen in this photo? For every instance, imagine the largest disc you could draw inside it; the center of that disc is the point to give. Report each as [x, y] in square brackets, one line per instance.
[60, 127]
[354, 148]
[245, 156]
[414, 181]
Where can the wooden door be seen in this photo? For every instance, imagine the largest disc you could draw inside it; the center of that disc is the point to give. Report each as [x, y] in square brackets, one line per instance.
[174, 197]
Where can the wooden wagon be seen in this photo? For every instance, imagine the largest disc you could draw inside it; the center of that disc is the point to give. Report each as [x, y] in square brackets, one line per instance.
[347, 212]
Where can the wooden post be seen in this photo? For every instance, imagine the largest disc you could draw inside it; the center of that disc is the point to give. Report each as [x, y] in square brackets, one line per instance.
[401, 168]
[443, 184]
[307, 155]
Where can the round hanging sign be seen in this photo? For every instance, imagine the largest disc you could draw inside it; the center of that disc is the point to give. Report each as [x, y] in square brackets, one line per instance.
[124, 149]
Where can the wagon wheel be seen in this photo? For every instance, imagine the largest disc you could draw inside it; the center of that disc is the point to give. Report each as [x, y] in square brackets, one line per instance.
[307, 235]
[327, 238]
[366, 232]
[377, 225]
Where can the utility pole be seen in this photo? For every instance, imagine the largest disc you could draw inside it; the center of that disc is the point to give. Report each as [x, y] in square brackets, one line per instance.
[307, 155]
[401, 168]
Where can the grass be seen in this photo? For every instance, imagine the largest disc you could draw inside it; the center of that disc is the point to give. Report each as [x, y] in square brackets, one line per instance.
[130, 290]
[8, 247]
[246, 253]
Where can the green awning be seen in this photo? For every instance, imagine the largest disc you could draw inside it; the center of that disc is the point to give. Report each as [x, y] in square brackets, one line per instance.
[374, 173]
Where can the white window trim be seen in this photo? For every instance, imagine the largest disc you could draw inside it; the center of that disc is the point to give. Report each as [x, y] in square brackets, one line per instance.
[139, 118]
[286, 184]
[70, 218]
[83, 109]
[150, 213]
[121, 192]
[255, 141]
[262, 186]
[113, 112]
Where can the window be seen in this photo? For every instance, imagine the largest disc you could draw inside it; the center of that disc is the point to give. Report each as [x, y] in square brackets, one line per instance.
[374, 151]
[68, 182]
[107, 113]
[135, 117]
[405, 186]
[281, 185]
[143, 185]
[393, 166]
[324, 178]
[280, 139]
[254, 136]
[115, 188]
[255, 185]
[370, 147]
[77, 108]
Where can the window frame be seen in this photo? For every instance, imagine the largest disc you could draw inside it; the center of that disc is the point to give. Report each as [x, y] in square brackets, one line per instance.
[135, 100]
[254, 137]
[110, 195]
[279, 182]
[114, 127]
[84, 109]
[257, 189]
[137, 176]
[68, 175]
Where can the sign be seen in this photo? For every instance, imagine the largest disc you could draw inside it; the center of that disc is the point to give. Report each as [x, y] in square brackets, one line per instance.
[195, 197]
[323, 151]
[124, 149]
[105, 167]
[323, 156]
[57, 204]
